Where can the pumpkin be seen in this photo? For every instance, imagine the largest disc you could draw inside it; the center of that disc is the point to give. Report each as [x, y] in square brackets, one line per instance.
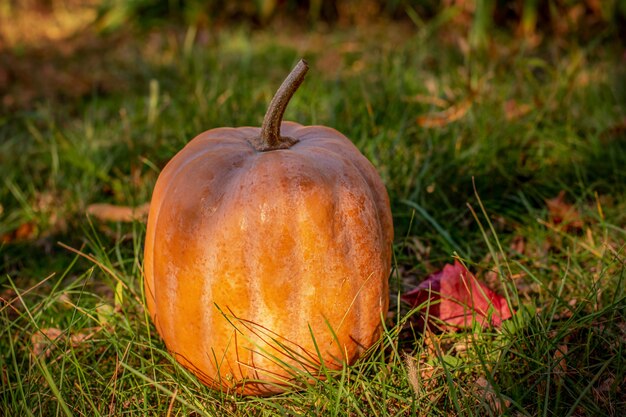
[268, 252]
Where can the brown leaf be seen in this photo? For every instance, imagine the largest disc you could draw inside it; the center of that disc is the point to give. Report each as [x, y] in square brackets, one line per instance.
[563, 213]
[445, 117]
[485, 390]
[518, 244]
[42, 340]
[457, 298]
[24, 231]
[601, 393]
[614, 131]
[110, 212]
[79, 338]
[560, 357]
[11, 302]
[513, 110]
[432, 344]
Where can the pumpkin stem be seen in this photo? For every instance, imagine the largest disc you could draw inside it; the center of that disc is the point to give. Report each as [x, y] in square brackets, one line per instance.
[270, 130]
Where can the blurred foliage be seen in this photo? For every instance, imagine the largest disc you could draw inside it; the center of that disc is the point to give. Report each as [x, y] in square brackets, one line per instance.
[477, 18]
[524, 17]
[70, 49]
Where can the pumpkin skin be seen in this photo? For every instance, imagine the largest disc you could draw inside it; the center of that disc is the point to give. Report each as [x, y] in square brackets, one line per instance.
[252, 257]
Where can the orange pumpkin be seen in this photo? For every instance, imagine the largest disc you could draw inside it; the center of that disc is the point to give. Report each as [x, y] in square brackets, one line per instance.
[267, 254]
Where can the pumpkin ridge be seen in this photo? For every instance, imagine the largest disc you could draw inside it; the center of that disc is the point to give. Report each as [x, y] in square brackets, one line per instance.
[357, 165]
[360, 166]
[350, 284]
[277, 165]
[338, 190]
[231, 187]
[248, 264]
[306, 224]
[355, 320]
[155, 210]
[168, 322]
[297, 207]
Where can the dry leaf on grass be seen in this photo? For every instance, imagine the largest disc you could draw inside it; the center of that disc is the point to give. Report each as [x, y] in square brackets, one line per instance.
[514, 110]
[11, 302]
[562, 213]
[43, 340]
[601, 392]
[518, 244]
[486, 391]
[24, 231]
[560, 358]
[457, 299]
[447, 116]
[110, 212]
[432, 344]
[614, 131]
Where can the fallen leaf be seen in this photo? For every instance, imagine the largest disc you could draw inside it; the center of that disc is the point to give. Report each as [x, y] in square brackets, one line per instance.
[518, 244]
[42, 340]
[563, 213]
[457, 299]
[110, 212]
[614, 131]
[79, 338]
[601, 393]
[622, 328]
[560, 357]
[24, 231]
[10, 302]
[447, 116]
[513, 110]
[432, 344]
[486, 391]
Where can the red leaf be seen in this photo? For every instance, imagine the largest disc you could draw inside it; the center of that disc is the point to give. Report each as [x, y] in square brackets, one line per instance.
[454, 296]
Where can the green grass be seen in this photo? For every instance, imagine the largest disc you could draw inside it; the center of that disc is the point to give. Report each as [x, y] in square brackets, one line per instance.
[561, 355]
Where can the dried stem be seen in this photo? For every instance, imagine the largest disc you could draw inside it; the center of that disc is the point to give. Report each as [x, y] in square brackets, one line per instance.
[270, 130]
